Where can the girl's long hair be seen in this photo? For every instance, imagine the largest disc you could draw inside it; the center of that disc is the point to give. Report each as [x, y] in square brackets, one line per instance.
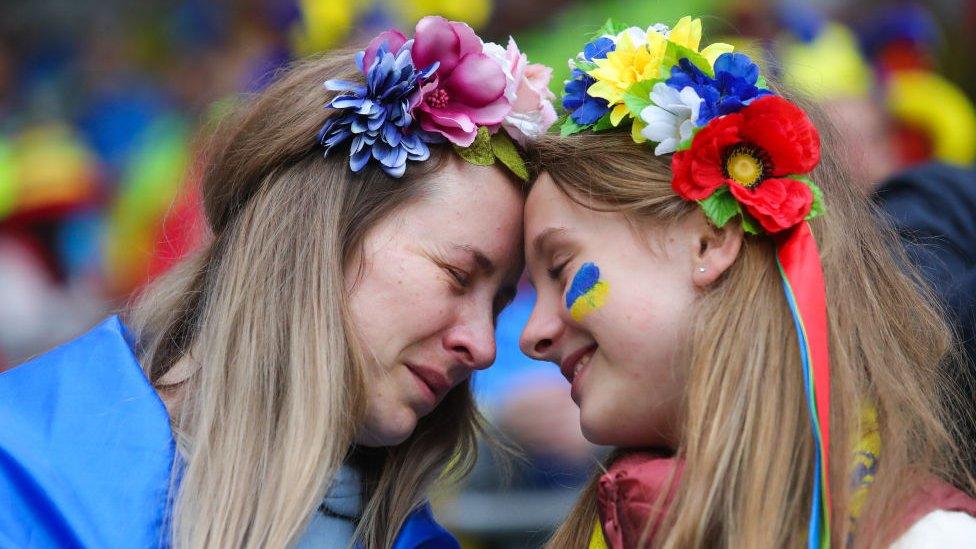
[249, 341]
[747, 443]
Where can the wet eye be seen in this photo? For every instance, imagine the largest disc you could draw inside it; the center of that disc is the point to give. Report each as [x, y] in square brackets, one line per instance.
[461, 277]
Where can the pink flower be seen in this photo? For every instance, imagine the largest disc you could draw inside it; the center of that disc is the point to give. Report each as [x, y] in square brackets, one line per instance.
[393, 39]
[469, 88]
[527, 89]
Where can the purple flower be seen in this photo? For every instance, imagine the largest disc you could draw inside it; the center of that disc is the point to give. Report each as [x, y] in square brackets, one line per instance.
[377, 117]
[733, 87]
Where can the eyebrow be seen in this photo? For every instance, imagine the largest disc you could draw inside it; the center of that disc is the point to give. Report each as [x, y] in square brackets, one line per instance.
[540, 242]
[480, 258]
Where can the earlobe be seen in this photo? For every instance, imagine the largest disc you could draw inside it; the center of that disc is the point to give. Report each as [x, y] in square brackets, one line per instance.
[718, 249]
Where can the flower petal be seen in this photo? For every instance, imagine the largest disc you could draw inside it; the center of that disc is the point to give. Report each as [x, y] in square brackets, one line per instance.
[437, 39]
[777, 204]
[477, 81]
[783, 130]
[392, 39]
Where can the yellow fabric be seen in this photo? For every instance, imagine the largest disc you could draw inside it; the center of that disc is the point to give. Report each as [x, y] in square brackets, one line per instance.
[597, 541]
[935, 105]
[830, 67]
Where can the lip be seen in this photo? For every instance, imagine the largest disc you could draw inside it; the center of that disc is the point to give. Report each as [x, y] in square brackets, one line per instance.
[435, 383]
[568, 366]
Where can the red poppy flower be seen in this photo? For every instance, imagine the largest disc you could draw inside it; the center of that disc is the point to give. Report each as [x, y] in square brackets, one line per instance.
[753, 151]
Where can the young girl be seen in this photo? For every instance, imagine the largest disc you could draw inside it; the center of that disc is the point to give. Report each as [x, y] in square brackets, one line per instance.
[730, 316]
[304, 378]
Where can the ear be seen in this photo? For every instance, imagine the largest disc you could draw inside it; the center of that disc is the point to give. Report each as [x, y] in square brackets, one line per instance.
[717, 249]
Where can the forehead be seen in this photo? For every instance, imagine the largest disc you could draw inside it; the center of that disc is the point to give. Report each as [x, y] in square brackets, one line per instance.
[470, 204]
[548, 205]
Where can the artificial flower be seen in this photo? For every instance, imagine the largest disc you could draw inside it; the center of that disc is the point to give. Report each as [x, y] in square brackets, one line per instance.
[582, 107]
[469, 88]
[671, 118]
[733, 86]
[527, 89]
[757, 153]
[377, 116]
[688, 32]
[626, 65]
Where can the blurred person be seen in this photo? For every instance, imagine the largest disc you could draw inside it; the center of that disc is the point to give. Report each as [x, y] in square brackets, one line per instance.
[303, 378]
[731, 318]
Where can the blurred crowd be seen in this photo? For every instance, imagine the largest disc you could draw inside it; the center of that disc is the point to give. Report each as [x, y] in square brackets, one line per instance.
[104, 105]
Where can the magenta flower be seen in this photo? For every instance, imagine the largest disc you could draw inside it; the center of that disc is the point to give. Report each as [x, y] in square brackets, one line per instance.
[469, 87]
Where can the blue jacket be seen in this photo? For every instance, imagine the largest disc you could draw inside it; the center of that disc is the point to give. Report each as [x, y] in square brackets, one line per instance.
[86, 452]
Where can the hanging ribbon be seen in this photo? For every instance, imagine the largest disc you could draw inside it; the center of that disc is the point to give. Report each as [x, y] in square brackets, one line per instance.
[799, 264]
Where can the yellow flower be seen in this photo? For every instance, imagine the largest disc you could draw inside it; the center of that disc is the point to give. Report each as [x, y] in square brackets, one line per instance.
[688, 32]
[626, 65]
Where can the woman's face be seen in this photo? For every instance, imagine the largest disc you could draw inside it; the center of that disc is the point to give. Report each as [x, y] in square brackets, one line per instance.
[425, 293]
[613, 312]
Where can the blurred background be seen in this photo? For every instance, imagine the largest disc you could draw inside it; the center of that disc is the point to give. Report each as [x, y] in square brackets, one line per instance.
[102, 104]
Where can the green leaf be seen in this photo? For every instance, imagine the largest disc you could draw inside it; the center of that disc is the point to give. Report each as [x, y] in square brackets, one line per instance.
[761, 83]
[720, 207]
[584, 65]
[750, 225]
[674, 53]
[506, 152]
[817, 208]
[480, 151]
[569, 127]
[611, 27]
[602, 124]
[638, 96]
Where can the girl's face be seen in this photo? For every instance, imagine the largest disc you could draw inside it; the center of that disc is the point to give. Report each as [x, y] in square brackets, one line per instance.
[425, 293]
[613, 309]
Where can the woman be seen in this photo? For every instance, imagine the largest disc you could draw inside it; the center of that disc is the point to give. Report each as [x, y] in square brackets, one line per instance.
[323, 337]
[731, 318]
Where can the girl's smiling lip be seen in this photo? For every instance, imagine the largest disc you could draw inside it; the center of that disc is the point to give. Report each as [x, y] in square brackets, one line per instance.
[568, 366]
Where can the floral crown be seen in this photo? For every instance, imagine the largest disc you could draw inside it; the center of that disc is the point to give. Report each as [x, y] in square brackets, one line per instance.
[443, 85]
[739, 151]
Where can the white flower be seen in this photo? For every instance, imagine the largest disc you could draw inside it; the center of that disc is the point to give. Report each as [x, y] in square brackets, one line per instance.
[671, 119]
[638, 36]
[511, 61]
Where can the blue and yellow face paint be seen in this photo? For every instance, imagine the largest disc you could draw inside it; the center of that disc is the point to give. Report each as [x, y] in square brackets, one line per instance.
[587, 292]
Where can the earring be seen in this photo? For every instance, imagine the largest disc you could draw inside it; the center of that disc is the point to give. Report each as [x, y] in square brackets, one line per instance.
[701, 269]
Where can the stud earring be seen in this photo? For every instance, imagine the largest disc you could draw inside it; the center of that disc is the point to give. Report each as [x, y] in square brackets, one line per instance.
[701, 269]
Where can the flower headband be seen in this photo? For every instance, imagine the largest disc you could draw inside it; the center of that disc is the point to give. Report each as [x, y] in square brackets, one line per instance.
[443, 85]
[740, 151]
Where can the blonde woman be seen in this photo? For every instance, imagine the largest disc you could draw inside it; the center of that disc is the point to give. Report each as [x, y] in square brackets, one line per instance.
[731, 318]
[304, 378]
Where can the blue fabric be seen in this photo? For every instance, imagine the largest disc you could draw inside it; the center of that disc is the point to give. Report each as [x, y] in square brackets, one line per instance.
[421, 531]
[85, 448]
[86, 452]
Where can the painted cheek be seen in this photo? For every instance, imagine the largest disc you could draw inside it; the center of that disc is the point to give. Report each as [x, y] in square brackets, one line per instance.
[587, 292]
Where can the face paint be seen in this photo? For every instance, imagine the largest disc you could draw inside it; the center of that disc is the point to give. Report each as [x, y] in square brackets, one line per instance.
[587, 292]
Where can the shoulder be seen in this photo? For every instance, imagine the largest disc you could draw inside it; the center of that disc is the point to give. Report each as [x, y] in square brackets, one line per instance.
[940, 530]
[86, 449]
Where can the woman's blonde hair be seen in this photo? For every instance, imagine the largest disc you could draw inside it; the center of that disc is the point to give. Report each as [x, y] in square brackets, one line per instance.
[268, 408]
[747, 443]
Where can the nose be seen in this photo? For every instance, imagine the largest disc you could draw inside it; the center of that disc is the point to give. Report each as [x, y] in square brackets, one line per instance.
[472, 340]
[541, 332]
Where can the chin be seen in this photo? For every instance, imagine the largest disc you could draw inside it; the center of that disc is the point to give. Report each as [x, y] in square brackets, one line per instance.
[388, 428]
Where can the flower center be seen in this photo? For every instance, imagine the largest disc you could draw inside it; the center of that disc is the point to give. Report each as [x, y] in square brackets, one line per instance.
[437, 99]
[746, 165]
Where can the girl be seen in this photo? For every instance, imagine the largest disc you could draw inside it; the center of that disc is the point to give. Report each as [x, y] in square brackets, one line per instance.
[323, 337]
[730, 316]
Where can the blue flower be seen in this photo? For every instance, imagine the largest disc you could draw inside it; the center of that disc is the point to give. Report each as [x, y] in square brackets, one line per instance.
[377, 117]
[733, 87]
[583, 109]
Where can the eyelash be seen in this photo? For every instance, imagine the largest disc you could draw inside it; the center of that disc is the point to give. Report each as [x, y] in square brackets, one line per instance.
[459, 276]
[557, 271]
